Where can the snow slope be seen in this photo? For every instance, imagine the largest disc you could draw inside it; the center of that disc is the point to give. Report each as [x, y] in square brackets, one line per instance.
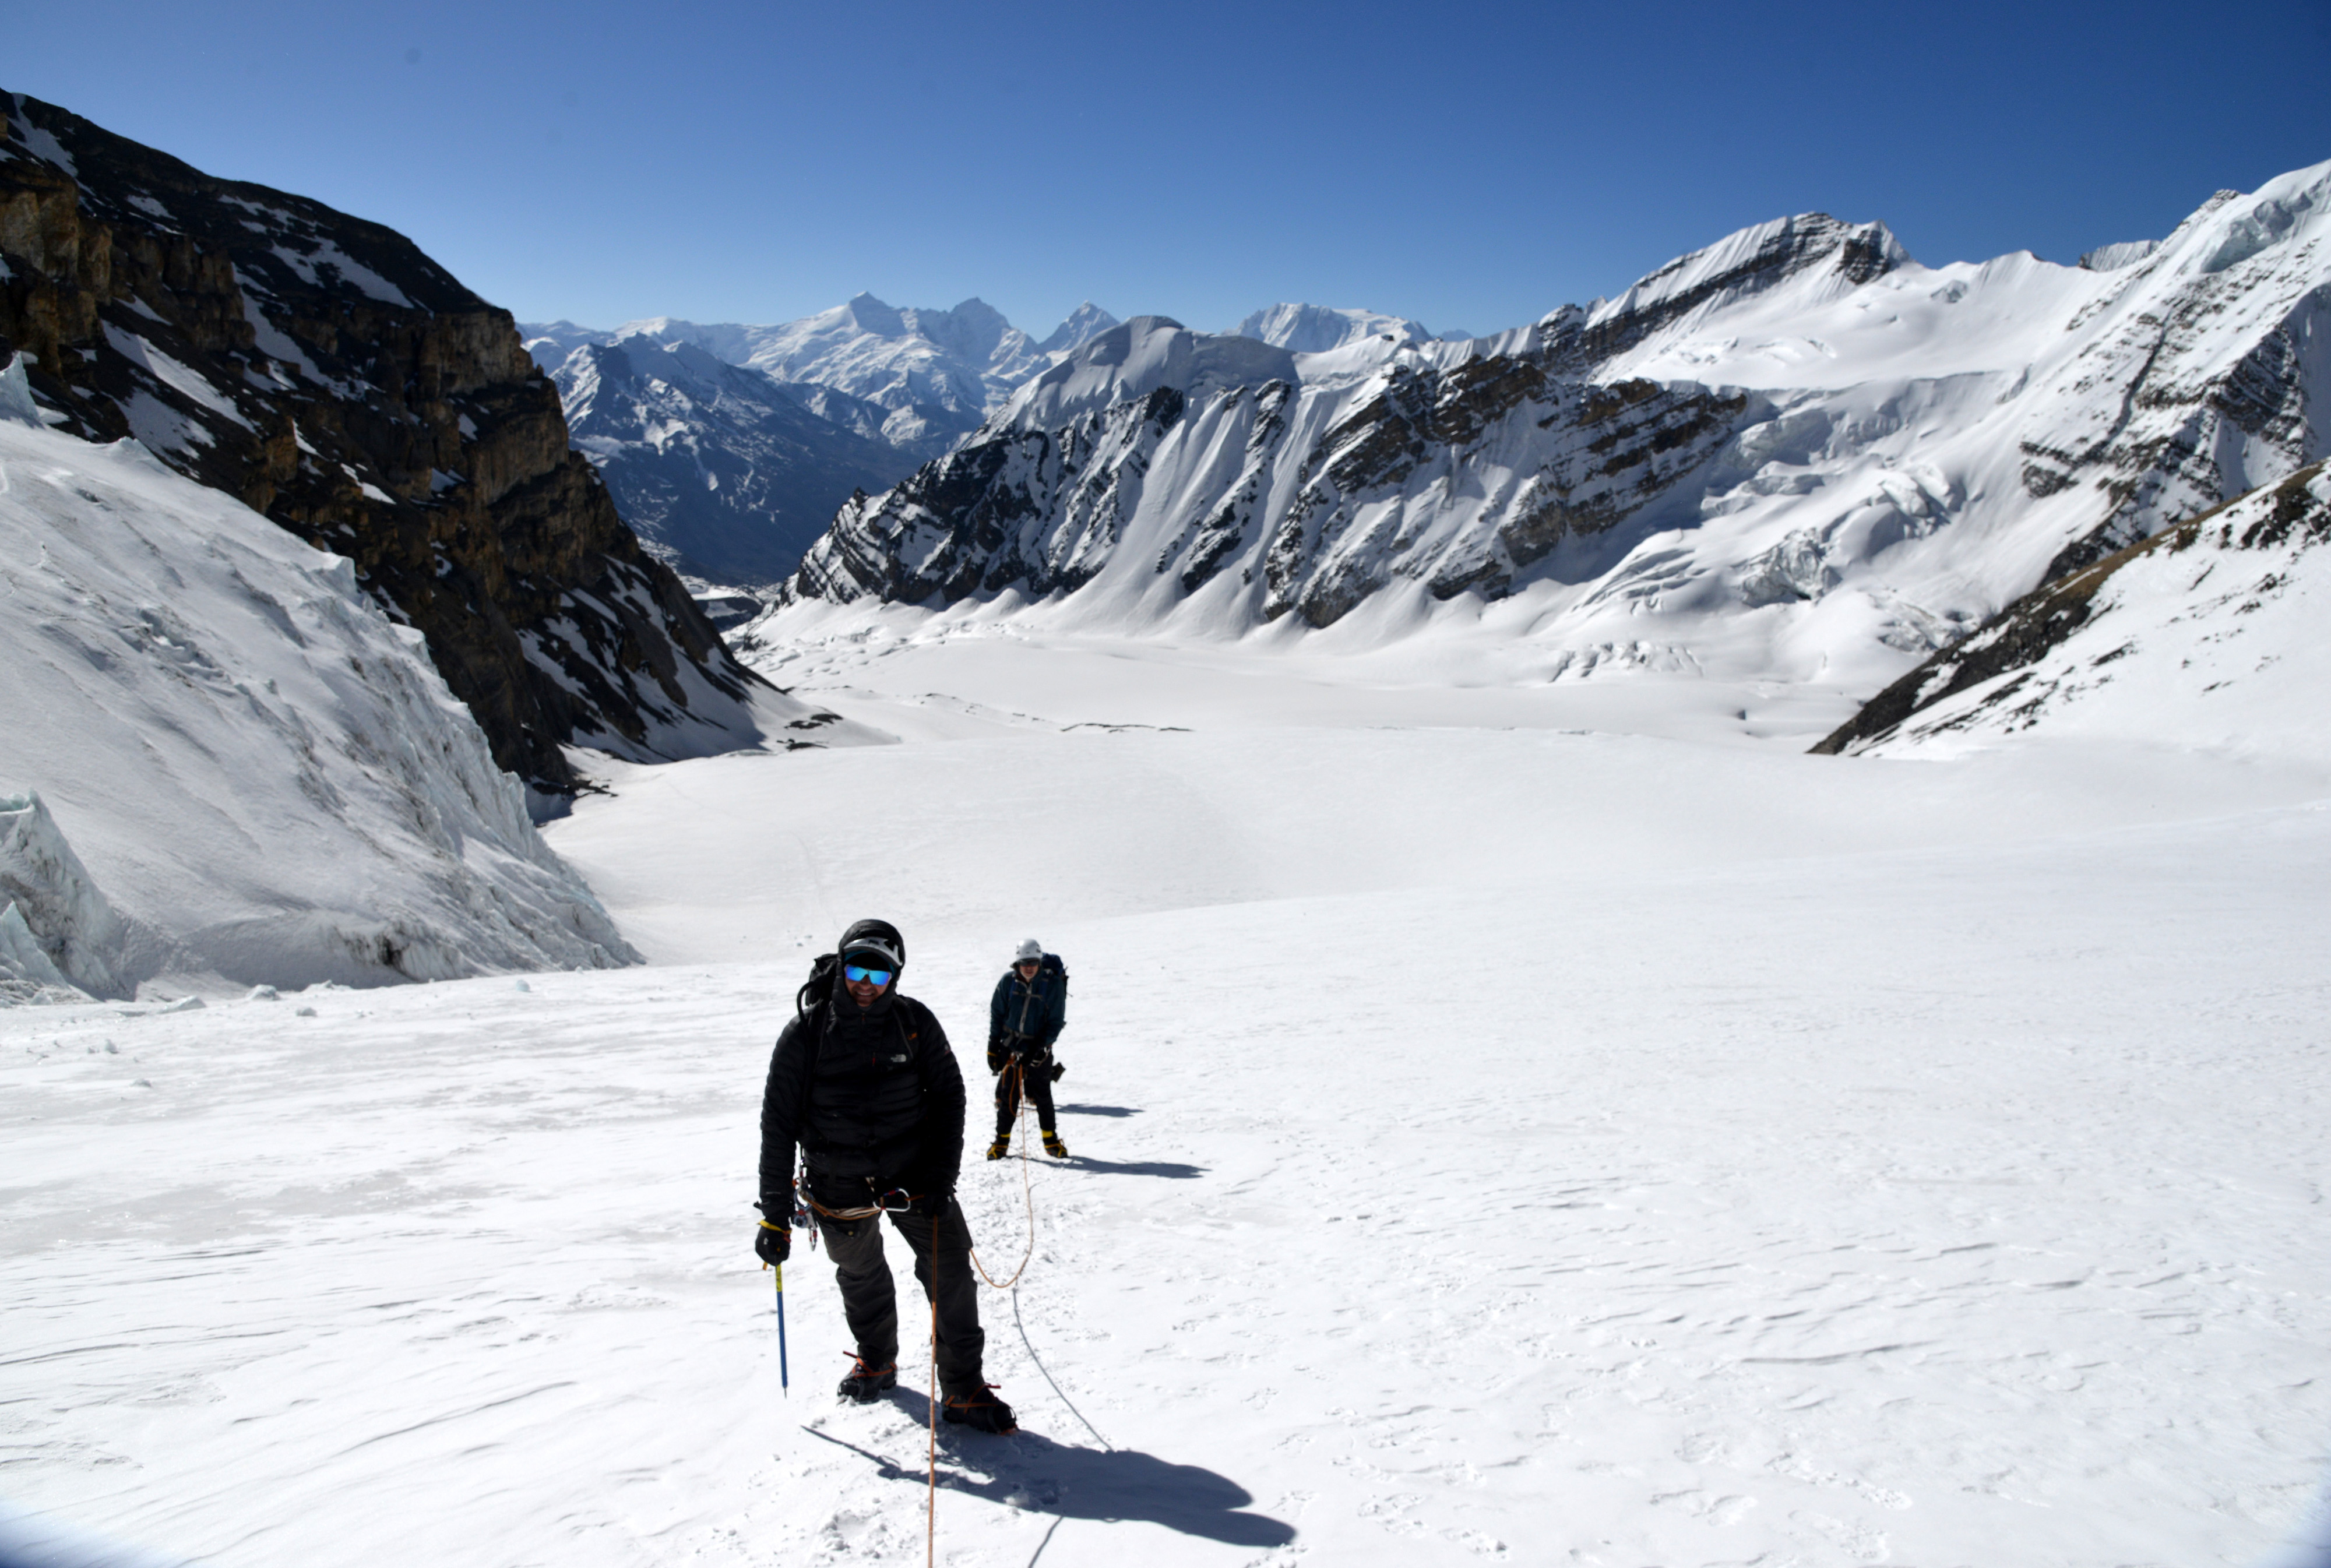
[224, 764]
[1490, 1141]
[1796, 456]
[2207, 635]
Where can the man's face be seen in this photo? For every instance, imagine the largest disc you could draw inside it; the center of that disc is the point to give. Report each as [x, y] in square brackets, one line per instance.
[858, 978]
[1027, 967]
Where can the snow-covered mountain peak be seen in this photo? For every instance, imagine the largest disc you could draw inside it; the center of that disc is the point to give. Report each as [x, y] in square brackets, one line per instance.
[1082, 325]
[1136, 358]
[1796, 452]
[1811, 258]
[1319, 329]
[2290, 208]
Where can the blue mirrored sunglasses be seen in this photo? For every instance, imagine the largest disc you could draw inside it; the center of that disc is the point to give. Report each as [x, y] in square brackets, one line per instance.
[856, 973]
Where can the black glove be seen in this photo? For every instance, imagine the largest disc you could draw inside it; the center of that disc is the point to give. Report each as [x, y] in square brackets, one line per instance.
[1057, 1070]
[773, 1243]
[995, 1059]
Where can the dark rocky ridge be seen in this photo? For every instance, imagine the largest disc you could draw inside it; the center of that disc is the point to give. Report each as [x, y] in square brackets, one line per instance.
[330, 375]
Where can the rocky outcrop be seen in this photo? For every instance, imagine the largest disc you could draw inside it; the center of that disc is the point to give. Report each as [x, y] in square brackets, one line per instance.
[326, 371]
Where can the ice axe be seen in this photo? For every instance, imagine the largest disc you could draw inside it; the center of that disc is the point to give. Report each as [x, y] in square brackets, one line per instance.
[784, 1380]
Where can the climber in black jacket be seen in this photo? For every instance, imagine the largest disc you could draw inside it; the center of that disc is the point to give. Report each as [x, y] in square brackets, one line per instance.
[864, 1084]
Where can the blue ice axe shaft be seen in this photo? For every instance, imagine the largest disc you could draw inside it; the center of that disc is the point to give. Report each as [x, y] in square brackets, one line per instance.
[785, 1381]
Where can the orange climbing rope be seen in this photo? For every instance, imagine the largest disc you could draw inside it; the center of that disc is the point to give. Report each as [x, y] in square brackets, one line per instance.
[1027, 1186]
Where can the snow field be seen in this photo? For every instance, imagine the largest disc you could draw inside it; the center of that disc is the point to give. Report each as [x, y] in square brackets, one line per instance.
[1485, 1145]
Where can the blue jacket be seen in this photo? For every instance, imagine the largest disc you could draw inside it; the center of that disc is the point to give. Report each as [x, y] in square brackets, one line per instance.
[1038, 1007]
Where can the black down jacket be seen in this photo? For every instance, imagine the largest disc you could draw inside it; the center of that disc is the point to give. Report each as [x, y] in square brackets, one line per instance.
[871, 1096]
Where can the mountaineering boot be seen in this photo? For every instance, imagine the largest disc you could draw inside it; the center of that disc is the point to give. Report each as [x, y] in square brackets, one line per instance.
[981, 1412]
[864, 1384]
[1054, 1147]
[999, 1147]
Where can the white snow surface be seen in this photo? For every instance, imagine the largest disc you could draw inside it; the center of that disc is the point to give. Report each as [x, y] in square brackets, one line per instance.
[225, 765]
[1493, 1138]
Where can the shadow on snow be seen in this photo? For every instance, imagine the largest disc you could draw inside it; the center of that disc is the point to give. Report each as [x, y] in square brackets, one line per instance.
[1179, 1172]
[1038, 1475]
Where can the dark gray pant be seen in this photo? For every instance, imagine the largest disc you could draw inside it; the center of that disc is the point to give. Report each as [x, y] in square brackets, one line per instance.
[1036, 1069]
[870, 1300]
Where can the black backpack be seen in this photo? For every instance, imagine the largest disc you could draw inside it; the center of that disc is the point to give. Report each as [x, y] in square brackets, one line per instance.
[818, 989]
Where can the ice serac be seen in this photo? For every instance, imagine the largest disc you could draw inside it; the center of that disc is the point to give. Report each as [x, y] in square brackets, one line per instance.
[323, 370]
[226, 760]
[57, 930]
[723, 474]
[1794, 455]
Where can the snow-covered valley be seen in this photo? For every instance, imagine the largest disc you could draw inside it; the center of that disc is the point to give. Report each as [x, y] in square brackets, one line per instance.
[1493, 1138]
[1521, 1106]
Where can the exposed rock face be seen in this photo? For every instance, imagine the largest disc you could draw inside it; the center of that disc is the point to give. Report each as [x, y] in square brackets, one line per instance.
[2177, 620]
[1322, 497]
[327, 373]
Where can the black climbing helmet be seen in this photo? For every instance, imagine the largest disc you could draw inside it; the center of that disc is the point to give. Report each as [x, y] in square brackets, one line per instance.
[878, 939]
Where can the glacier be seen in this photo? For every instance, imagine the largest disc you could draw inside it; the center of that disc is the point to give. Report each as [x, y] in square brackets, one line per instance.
[226, 765]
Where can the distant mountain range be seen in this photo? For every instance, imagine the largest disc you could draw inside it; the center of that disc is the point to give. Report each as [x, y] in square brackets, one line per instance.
[729, 447]
[1795, 455]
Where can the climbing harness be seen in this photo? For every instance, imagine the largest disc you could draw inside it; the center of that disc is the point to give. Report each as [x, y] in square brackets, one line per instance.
[884, 1204]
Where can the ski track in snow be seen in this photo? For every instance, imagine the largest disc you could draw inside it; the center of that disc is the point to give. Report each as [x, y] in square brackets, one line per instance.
[1921, 1163]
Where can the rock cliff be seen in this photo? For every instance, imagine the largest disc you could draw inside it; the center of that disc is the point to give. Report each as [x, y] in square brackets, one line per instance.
[330, 375]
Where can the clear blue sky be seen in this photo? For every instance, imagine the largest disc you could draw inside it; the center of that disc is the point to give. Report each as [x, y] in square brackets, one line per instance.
[1473, 165]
